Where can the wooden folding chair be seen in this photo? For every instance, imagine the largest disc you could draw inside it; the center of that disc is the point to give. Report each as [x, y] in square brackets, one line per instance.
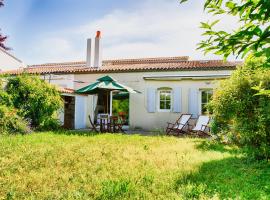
[94, 127]
[202, 125]
[116, 124]
[179, 125]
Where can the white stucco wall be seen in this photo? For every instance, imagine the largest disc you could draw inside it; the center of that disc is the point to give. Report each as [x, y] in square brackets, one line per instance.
[139, 116]
[63, 80]
[8, 61]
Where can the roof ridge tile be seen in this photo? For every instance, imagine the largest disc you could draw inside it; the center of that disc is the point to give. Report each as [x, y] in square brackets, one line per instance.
[128, 65]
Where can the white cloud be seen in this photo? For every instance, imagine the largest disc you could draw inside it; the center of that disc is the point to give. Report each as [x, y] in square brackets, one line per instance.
[153, 28]
[57, 49]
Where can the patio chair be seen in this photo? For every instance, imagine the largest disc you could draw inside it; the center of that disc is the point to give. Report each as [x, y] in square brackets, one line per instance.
[179, 125]
[202, 125]
[103, 119]
[93, 126]
[116, 124]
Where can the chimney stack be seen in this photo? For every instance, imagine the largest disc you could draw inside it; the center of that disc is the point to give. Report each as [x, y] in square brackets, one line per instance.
[97, 54]
[94, 53]
[89, 53]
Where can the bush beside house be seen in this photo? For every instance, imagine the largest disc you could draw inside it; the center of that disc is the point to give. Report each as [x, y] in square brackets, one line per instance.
[11, 122]
[240, 112]
[29, 100]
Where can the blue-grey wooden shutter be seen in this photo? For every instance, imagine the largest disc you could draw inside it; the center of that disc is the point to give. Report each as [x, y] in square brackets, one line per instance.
[193, 104]
[151, 100]
[80, 112]
[177, 100]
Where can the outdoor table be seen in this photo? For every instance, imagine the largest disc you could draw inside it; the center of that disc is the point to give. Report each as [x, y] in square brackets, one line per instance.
[110, 124]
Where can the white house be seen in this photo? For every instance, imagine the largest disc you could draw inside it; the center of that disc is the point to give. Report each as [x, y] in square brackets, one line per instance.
[9, 61]
[168, 86]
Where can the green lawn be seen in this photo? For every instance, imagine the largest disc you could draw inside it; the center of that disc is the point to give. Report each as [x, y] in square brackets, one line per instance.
[61, 166]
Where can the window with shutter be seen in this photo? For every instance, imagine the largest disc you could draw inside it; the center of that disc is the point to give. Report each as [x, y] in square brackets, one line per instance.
[164, 100]
[206, 96]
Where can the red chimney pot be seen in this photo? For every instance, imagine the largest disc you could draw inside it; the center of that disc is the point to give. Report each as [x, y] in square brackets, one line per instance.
[98, 34]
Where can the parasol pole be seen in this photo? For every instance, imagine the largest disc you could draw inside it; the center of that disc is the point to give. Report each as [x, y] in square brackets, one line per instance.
[107, 101]
[111, 101]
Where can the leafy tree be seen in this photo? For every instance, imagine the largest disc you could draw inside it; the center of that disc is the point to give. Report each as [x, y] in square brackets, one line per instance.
[241, 105]
[2, 37]
[35, 99]
[252, 36]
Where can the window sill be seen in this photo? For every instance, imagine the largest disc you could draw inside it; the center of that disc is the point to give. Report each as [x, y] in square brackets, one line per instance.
[162, 111]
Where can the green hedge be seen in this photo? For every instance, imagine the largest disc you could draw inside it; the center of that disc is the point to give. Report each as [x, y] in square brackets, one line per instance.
[240, 113]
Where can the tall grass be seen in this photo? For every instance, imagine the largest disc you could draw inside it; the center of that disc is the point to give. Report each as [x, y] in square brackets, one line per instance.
[51, 166]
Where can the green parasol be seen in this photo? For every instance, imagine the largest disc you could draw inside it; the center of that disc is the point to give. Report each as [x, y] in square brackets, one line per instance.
[121, 96]
[105, 83]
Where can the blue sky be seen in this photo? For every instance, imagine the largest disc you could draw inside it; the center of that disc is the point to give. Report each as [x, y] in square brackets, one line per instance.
[56, 30]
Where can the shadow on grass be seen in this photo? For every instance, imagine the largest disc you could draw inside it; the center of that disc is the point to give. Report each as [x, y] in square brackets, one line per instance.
[76, 132]
[88, 133]
[207, 145]
[235, 178]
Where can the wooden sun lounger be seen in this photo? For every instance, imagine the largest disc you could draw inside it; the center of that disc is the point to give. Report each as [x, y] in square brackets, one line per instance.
[202, 125]
[179, 125]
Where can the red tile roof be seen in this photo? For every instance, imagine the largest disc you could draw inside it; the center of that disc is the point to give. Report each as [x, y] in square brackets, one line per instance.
[66, 90]
[128, 65]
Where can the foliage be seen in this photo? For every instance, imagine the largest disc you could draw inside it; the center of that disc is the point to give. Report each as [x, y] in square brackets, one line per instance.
[5, 98]
[50, 124]
[241, 107]
[120, 106]
[252, 36]
[11, 122]
[261, 90]
[238, 108]
[34, 98]
[2, 37]
[109, 166]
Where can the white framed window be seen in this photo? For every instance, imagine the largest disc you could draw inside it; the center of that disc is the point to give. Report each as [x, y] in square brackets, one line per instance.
[205, 98]
[164, 100]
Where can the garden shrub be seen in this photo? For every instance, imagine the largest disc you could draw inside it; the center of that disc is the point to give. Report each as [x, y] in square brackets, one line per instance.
[240, 112]
[50, 124]
[35, 99]
[5, 98]
[11, 122]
